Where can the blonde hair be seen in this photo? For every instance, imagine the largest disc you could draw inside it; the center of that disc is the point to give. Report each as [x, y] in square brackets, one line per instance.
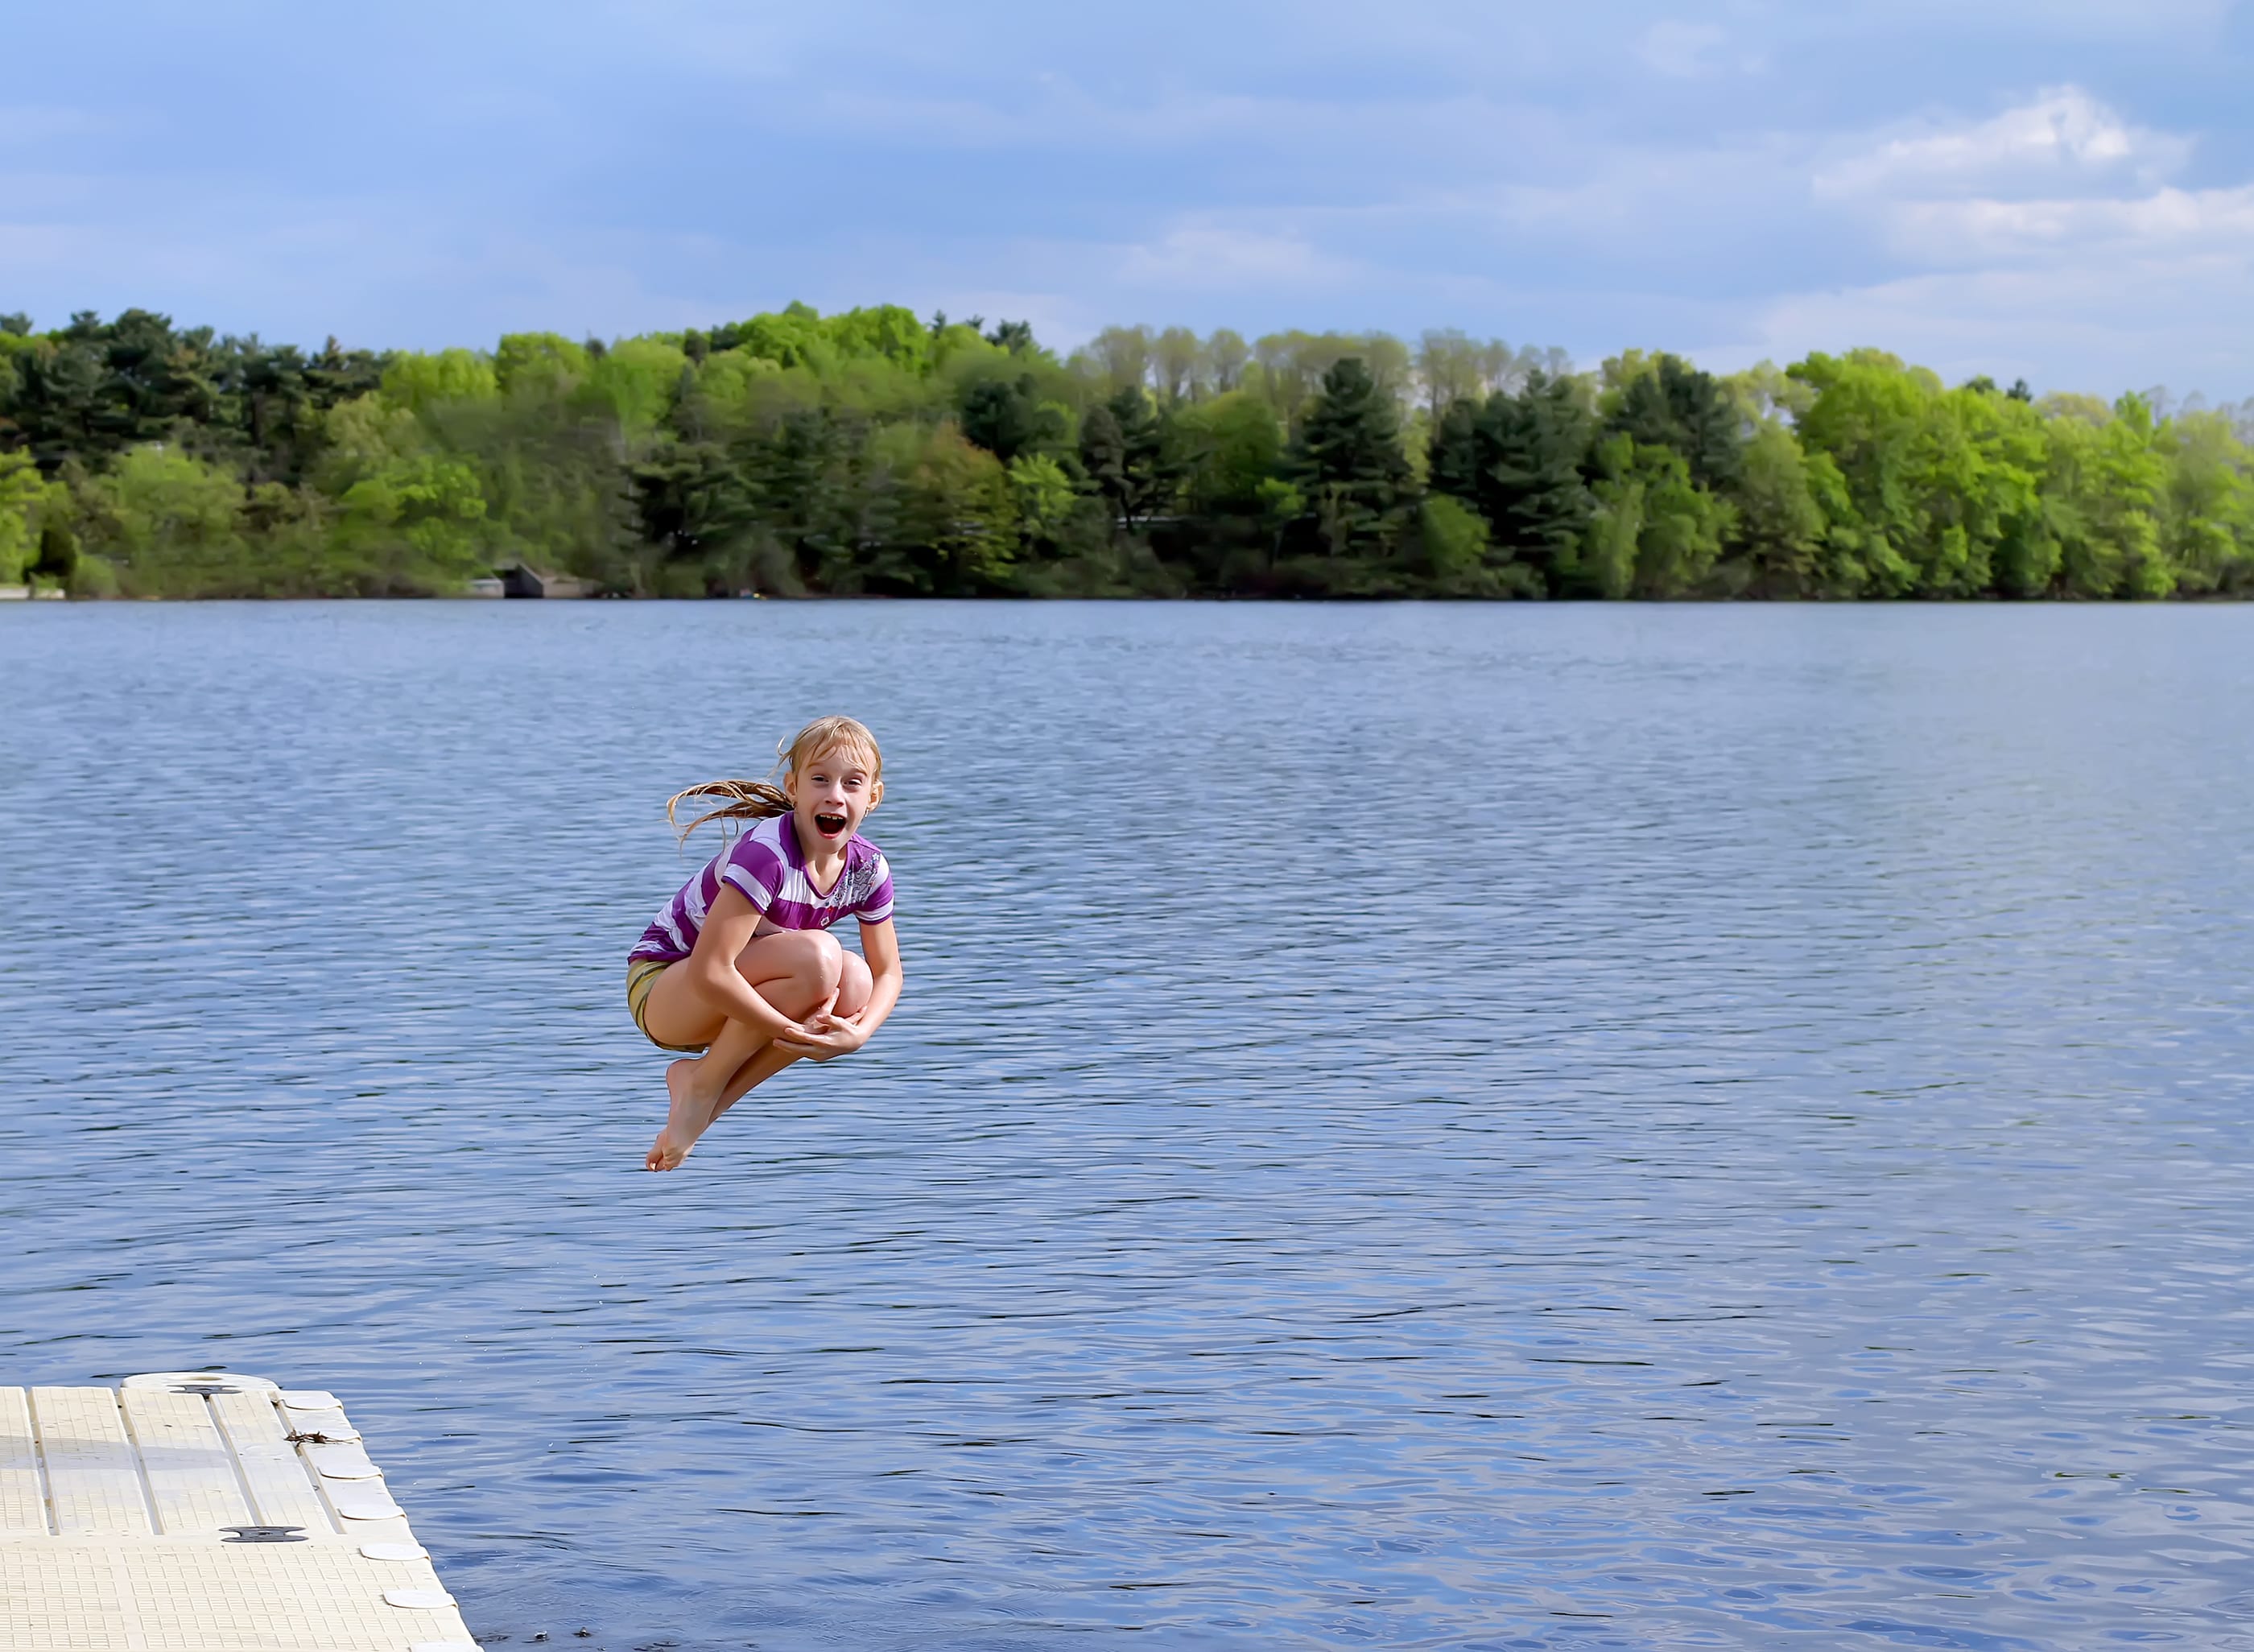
[763, 799]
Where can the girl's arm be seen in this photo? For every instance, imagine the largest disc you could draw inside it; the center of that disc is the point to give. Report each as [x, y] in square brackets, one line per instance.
[827, 1035]
[729, 927]
[880, 950]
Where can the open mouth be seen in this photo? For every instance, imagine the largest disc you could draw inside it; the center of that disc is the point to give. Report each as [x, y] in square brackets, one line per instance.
[829, 825]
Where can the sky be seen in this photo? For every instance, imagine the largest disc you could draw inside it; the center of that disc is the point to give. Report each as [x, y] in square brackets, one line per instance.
[2058, 190]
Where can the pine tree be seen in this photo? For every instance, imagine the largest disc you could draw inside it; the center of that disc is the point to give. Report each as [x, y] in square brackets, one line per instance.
[1122, 448]
[1533, 446]
[1454, 454]
[1348, 465]
[1676, 405]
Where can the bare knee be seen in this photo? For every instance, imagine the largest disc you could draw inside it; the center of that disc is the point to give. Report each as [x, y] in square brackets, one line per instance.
[809, 956]
[854, 983]
[825, 959]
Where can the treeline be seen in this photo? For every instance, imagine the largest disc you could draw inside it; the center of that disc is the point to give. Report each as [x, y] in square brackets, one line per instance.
[872, 451]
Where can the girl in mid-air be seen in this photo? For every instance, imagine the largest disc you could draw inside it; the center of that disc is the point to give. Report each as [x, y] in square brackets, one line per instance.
[740, 971]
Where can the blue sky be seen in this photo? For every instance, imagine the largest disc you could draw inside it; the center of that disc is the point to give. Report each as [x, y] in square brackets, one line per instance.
[2062, 189]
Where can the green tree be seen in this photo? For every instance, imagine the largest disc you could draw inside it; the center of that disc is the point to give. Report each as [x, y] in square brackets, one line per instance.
[1122, 356]
[1454, 456]
[952, 522]
[696, 513]
[794, 337]
[1231, 444]
[1044, 499]
[1780, 528]
[1664, 401]
[1224, 357]
[168, 524]
[1122, 448]
[420, 383]
[1348, 465]
[2104, 484]
[1459, 557]
[56, 561]
[1944, 484]
[415, 527]
[1176, 357]
[1529, 450]
[1009, 418]
[1654, 531]
[545, 365]
[2207, 504]
[1449, 367]
[887, 332]
[338, 375]
[95, 388]
[635, 385]
[22, 495]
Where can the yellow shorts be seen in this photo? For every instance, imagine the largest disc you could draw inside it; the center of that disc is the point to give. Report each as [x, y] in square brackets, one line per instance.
[642, 976]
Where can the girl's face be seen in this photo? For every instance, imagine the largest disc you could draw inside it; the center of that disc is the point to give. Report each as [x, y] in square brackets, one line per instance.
[832, 795]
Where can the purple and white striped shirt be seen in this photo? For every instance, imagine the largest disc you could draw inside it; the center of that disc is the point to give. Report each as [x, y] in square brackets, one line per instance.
[766, 865]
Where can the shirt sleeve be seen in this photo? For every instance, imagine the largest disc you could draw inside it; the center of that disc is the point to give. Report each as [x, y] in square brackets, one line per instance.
[877, 905]
[755, 870]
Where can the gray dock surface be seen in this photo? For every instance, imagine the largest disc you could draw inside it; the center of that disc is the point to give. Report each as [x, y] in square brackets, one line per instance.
[203, 1511]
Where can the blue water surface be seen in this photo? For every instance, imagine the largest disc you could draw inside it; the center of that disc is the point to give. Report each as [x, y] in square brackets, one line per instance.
[1421, 1126]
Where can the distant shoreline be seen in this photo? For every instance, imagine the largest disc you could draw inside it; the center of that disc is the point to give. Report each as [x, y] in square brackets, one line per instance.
[876, 453]
[2204, 600]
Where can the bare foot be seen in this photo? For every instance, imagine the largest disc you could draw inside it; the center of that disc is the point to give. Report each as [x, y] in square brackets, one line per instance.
[684, 1120]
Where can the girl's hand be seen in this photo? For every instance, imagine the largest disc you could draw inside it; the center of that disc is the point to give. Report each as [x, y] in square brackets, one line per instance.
[825, 1037]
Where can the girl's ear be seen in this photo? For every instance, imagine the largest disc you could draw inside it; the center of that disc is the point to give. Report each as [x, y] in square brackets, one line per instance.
[876, 795]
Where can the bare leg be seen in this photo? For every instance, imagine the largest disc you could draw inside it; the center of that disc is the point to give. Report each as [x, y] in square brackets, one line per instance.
[850, 998]
[798, 973]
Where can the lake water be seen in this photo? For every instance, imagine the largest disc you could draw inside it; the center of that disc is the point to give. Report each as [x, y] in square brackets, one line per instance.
[1409, 1126]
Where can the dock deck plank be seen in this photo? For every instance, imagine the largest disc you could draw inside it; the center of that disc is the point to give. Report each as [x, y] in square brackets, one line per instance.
[192, 1474]
[23, 1499]
[281, 1487]
[94, 1480]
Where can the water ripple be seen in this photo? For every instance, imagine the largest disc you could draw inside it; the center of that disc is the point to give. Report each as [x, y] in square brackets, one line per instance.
[1414, 1127]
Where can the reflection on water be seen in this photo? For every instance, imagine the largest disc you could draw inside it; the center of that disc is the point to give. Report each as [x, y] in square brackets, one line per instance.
[1428, 1127]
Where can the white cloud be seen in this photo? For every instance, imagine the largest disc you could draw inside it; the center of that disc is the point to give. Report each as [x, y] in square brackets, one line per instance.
[2168, 220]
[2065, 135]
[2063, 179]
[2043, 238]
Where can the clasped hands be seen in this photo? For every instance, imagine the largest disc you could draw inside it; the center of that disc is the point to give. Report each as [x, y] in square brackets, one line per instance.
[824, 1037]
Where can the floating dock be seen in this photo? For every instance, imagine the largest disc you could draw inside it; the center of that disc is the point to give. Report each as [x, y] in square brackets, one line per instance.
[200, 1511]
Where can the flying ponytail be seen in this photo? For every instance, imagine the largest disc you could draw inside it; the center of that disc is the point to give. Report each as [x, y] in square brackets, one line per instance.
[763, 800]
[738, 800]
